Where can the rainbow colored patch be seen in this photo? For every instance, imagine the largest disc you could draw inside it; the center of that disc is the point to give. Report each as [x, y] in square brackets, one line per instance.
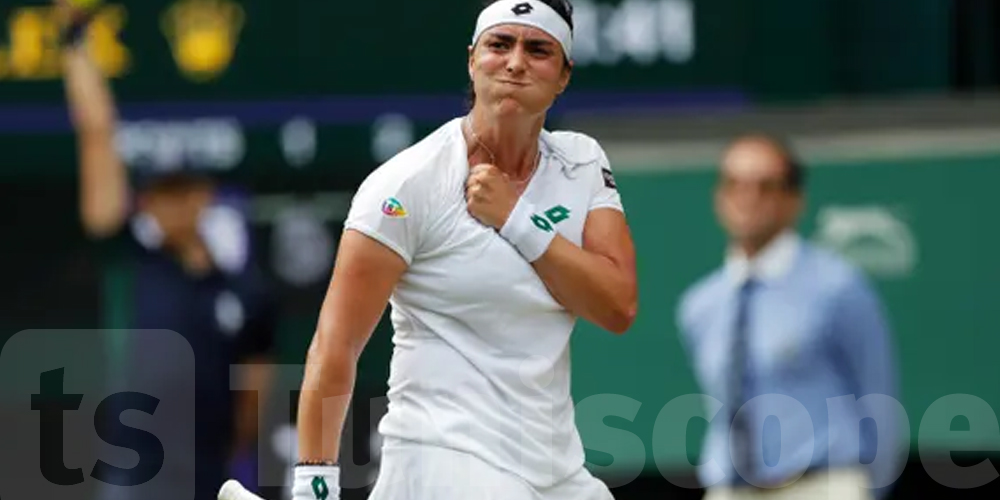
[391, 207]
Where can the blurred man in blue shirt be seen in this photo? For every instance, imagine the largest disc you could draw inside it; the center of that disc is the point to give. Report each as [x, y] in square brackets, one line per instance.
[792, 340]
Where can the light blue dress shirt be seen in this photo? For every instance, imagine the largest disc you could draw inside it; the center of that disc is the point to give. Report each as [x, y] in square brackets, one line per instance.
[816, 332]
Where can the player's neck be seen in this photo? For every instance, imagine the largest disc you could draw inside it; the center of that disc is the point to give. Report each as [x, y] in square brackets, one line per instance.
[509, 143]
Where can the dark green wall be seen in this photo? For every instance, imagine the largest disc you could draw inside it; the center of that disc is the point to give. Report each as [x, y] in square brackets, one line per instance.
[804, 50]
[302, 58]
[941, 307]
[294, 48]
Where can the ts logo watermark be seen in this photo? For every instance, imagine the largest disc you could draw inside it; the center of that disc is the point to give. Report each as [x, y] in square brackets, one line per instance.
[81, 416]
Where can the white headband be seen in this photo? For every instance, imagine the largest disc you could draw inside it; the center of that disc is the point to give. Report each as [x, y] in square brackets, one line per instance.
[529, 13]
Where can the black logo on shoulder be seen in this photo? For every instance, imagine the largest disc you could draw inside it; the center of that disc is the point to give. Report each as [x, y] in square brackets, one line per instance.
[522, 9]
[609, 179]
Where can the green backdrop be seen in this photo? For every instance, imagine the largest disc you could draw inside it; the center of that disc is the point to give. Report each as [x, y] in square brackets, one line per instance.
[922, 228]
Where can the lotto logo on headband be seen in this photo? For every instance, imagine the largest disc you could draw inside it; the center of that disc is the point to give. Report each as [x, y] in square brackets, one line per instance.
[522, 9]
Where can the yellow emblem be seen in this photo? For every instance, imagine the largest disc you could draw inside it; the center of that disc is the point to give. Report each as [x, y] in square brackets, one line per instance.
[84, 4]
[203, 35]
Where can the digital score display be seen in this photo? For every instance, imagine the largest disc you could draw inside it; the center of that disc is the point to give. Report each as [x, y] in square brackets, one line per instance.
[301, 84]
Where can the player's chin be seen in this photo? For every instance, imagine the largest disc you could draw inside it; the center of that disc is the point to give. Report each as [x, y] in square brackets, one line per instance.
[528, 105]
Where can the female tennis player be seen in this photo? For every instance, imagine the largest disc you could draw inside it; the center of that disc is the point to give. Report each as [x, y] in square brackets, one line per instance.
[488, 238]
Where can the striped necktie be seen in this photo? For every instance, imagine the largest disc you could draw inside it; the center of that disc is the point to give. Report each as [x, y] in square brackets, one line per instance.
[740, 426]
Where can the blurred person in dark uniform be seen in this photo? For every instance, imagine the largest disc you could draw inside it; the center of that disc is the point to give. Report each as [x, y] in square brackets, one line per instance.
[801, 329]
[184, 242]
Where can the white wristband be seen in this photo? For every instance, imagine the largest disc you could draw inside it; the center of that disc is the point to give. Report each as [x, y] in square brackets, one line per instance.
[316, 482]
[530, 233]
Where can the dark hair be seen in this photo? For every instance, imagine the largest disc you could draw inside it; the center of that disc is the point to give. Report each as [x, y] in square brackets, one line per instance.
[565, 11]
[795, 172]
[562, 7]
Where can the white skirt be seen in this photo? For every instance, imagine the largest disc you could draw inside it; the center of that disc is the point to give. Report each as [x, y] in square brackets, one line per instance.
[413, 471]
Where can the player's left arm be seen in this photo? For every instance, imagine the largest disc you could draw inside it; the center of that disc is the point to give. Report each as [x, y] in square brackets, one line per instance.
[598, 280]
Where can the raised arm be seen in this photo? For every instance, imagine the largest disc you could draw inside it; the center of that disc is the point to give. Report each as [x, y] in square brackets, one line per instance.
[104, 187]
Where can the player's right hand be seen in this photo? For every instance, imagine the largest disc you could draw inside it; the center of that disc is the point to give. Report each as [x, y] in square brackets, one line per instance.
[489, 194]
[316, 482]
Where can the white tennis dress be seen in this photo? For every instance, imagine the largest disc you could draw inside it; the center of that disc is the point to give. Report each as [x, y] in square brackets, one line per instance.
[479, 386]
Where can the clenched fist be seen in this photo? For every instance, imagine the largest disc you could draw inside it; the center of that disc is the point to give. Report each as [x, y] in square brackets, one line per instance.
[489, 195]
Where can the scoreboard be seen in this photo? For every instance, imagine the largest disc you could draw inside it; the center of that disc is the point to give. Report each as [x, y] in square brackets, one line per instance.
[265, 49]
[338, 86]
[258, 85]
